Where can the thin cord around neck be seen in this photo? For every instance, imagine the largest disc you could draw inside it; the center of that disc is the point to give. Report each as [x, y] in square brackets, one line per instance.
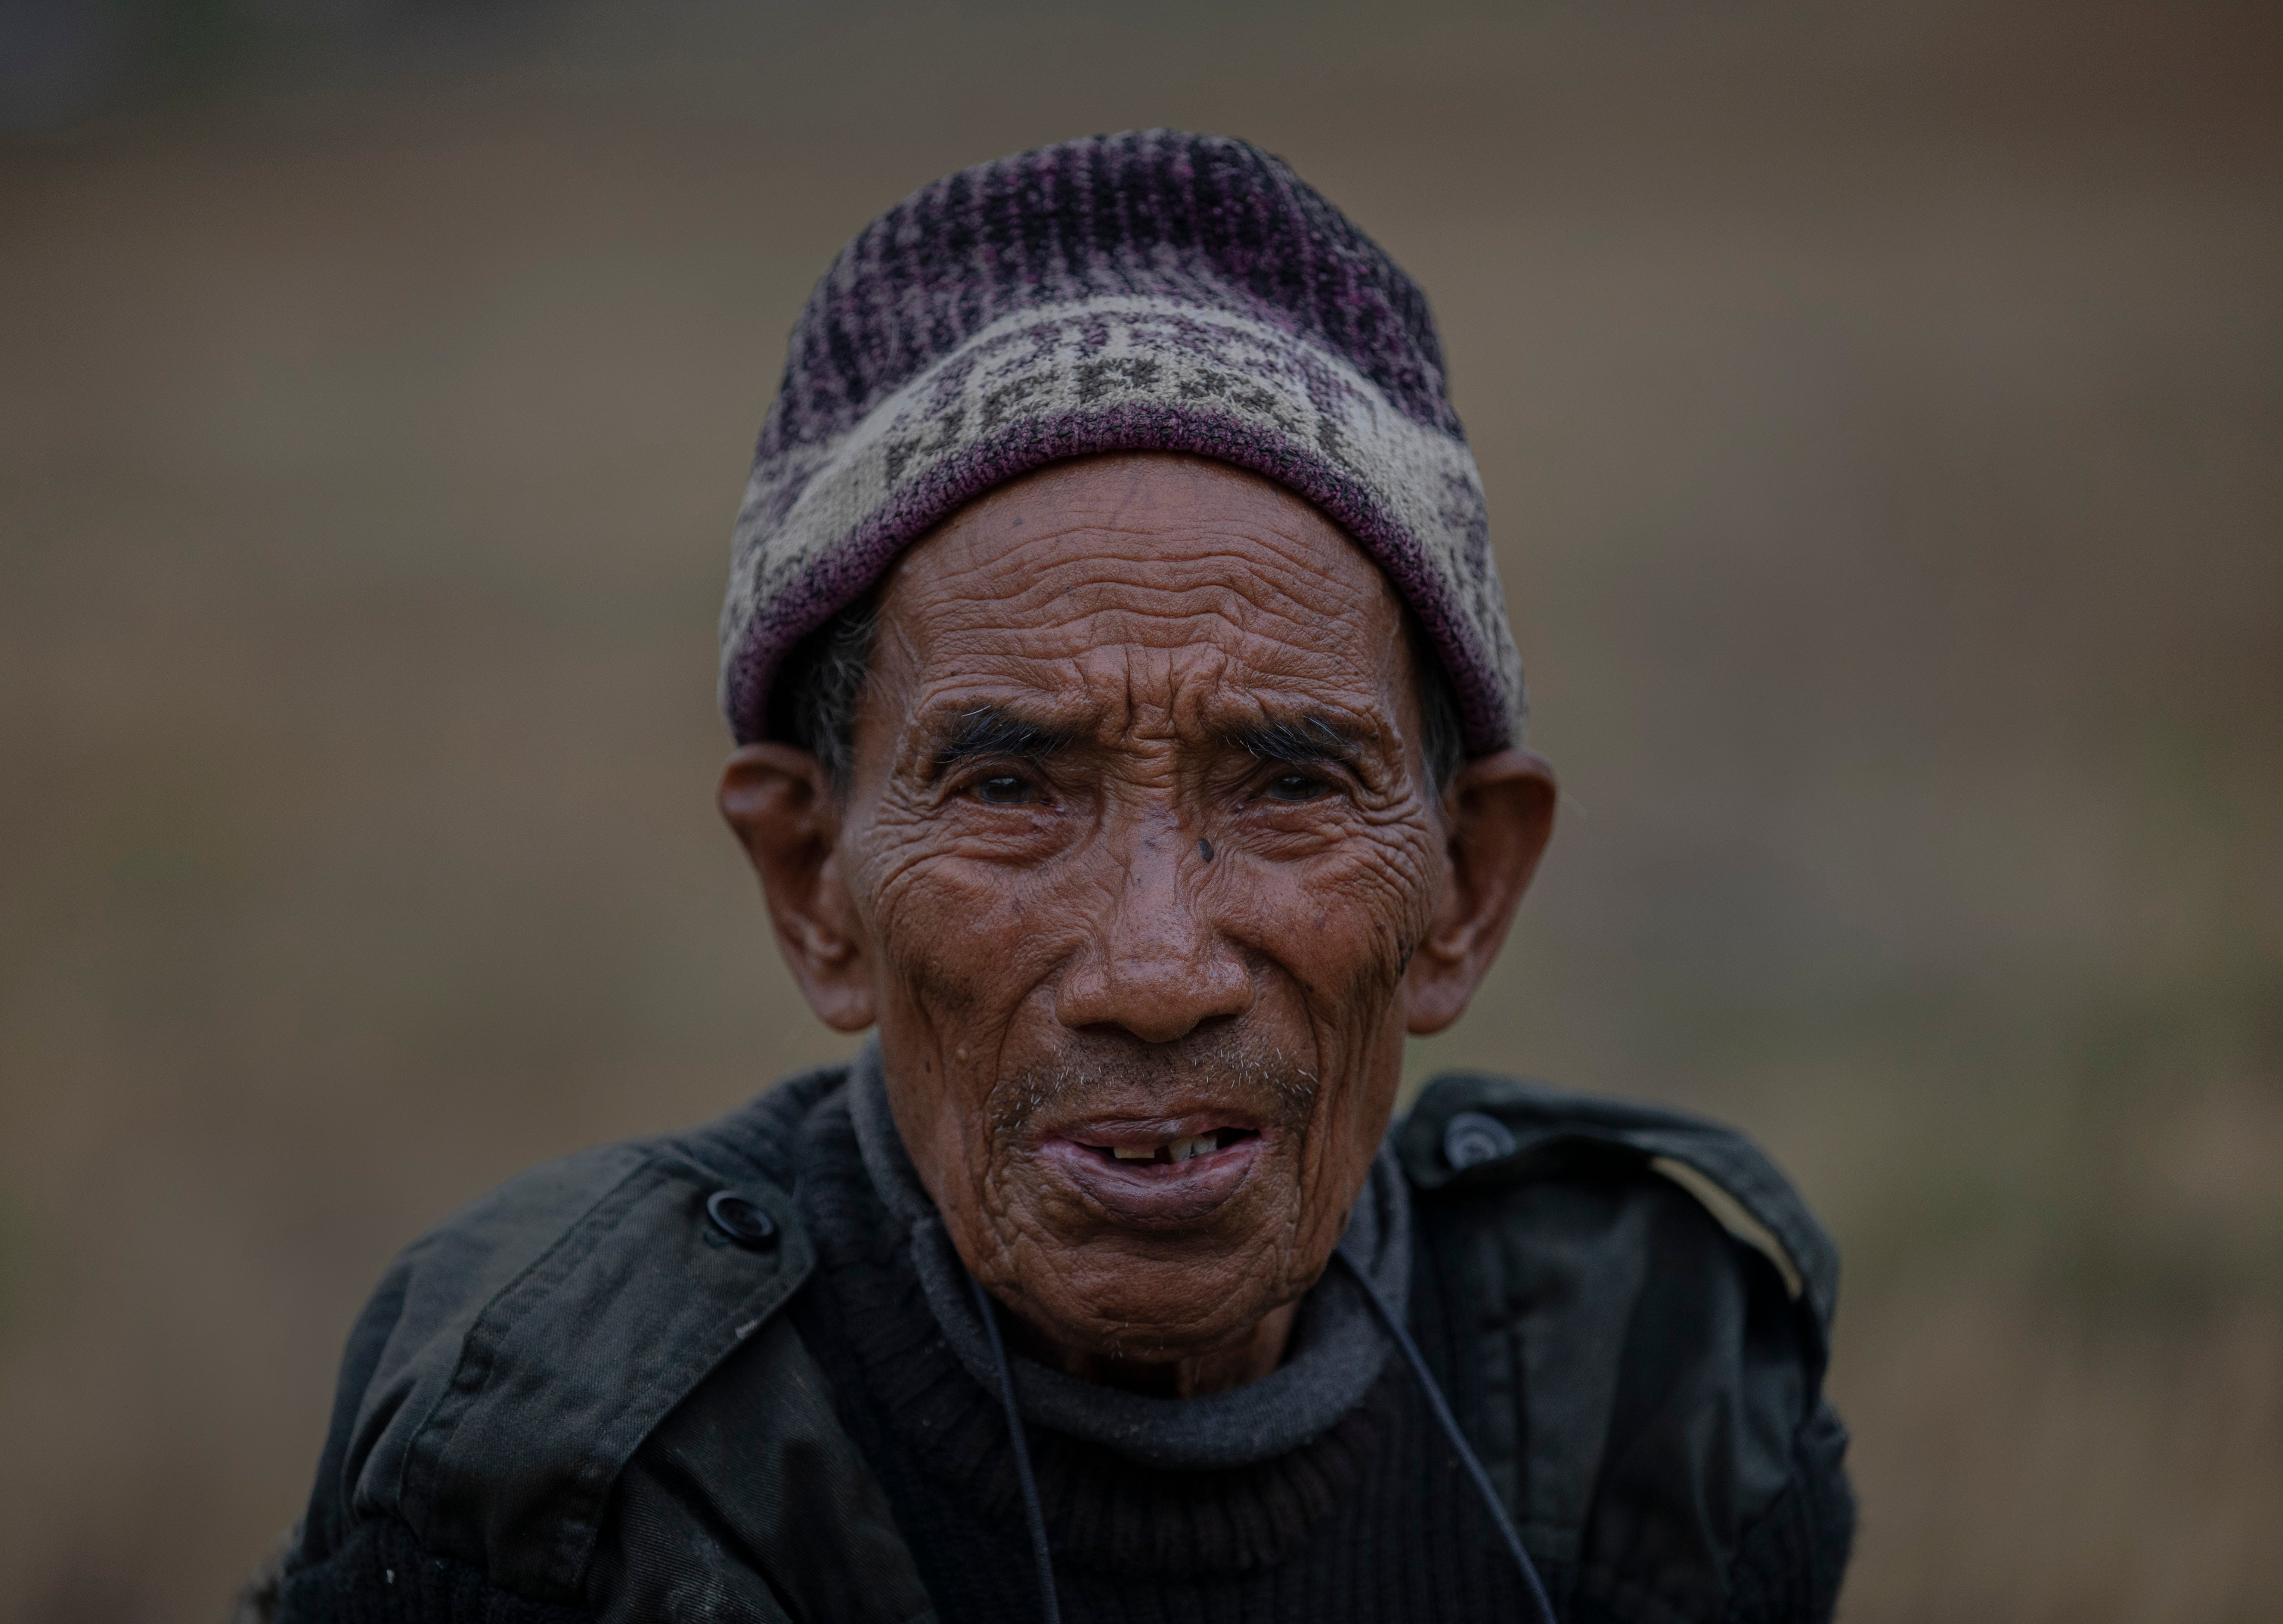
[1435, 1401]
[1031, 1513]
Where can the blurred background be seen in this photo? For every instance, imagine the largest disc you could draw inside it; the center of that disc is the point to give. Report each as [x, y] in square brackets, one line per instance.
[1880, 405]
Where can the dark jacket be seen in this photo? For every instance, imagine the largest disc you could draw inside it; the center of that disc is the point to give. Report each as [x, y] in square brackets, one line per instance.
[1643, 1386]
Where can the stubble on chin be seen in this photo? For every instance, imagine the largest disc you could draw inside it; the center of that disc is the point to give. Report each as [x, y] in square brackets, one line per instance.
[1127, 1293]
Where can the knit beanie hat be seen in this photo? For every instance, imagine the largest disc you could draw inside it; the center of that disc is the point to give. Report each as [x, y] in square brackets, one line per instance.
[1147, 291]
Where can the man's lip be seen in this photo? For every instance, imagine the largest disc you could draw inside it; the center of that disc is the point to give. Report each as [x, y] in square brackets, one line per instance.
[1155, 1194]
[1147, 1133]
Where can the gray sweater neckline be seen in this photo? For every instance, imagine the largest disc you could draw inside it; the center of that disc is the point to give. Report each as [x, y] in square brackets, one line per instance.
[1337, 1349]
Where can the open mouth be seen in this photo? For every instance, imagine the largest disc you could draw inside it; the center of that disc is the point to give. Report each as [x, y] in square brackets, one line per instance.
[1168, 1151]
[1156, 1174]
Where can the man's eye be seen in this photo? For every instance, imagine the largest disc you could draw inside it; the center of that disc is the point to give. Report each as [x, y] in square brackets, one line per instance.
[1294, 787]
[1004, 790]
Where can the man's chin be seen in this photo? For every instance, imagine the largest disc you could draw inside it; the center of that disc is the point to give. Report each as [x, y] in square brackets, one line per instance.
[1121, 1303]
[1153, 1334]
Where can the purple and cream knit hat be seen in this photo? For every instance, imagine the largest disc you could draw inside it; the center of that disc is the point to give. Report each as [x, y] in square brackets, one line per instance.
[1149, 291]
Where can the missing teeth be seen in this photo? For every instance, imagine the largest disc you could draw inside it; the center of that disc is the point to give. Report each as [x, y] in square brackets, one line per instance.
[1174, 1150]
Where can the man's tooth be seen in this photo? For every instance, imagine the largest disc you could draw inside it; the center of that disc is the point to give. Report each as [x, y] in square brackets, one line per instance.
[1171, 1150]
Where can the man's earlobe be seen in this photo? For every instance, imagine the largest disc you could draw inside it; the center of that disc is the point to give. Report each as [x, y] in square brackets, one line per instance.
[1501, 815]
[779, 802]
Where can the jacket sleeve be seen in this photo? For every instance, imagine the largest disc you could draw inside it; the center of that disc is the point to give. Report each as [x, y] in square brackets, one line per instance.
[380, 1574]
[338, 1570]
[508, 1366]
[326, 1523]
[1789, 1562]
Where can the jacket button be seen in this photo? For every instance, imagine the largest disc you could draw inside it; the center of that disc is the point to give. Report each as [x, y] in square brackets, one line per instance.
[741, 1220]
[1471, 1138]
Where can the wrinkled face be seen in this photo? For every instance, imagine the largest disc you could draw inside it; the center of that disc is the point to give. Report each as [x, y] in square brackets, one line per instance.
[1140, 874]
[1141, 838]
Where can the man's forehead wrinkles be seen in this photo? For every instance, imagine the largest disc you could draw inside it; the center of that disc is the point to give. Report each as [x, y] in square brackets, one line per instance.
[1169, 649]
[1122, 632]
[1083, 511]
[1245, 596]
[1115, 678]
[994, 565]
[1246, 602]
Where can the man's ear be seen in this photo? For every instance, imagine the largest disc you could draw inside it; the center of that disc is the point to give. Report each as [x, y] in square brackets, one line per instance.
[1500, 815]
[779, 802]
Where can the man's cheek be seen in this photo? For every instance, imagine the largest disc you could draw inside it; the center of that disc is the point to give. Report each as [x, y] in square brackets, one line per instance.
[948, 934]
[1343, 930]
[1393, 874]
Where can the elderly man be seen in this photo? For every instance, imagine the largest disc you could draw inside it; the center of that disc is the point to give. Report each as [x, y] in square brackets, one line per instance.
[1129, 732]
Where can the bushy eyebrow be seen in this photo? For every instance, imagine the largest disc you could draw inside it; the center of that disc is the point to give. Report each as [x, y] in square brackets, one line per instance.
[994, 730]
[1297, 742]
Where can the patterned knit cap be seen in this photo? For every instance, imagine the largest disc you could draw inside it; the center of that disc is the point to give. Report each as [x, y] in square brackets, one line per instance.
[1147, 291]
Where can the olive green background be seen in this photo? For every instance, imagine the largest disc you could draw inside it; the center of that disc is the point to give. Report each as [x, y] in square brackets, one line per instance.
[1879, 405]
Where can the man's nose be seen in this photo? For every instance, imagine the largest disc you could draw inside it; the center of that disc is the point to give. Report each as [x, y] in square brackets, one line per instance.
[1157, 968]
